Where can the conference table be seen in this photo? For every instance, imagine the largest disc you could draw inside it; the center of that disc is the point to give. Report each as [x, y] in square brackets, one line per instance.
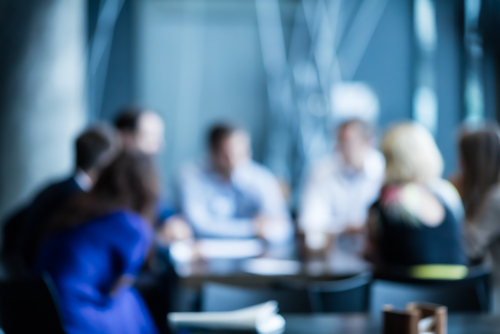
[458, 323]
[248, 263]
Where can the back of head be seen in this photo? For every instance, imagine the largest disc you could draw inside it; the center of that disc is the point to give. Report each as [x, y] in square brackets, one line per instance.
[128, 119]
[411, 154]
[129, 182]
[95, 147]
[141, 129]
[480, 163]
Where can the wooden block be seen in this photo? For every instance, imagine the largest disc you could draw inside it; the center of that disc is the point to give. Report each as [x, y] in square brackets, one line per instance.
[400, 322]
[428, 310]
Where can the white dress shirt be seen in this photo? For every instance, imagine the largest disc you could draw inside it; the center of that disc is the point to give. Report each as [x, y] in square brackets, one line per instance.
[336, 197]
[83, 180]
[221, 208]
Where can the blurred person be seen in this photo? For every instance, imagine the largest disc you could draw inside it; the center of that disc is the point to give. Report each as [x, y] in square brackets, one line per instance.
[141, 129]
[144, 130]
[230, 195]
[98, 244]
[341, 188]
[414, 227]
[94, 149]
[479, 185]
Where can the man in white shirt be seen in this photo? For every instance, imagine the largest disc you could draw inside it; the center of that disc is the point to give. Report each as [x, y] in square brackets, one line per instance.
[231, 196]
[341, 188]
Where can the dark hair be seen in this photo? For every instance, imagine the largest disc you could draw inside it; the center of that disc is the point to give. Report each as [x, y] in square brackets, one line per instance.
[218, 133]
[365, 129]
[480, 158]
[129, 183]
[93, 146]
[128, 118]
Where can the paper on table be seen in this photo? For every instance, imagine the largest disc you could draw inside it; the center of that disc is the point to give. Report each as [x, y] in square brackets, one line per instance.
[261, 318]
[182, 251]
[271, 267]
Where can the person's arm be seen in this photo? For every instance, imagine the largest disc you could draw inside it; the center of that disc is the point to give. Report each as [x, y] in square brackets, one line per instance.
[194, 205]
[315, 206]
[274, 215]
[206, 225]
[371, 250]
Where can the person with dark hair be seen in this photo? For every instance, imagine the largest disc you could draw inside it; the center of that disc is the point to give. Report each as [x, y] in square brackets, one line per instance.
[96, 246]
[340, 188]
[94, 148]
[231, 196]
[143, 129]
[140, 128]
[479, 186]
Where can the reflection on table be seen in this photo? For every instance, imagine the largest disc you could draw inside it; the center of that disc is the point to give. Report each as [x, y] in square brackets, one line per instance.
[251, 261]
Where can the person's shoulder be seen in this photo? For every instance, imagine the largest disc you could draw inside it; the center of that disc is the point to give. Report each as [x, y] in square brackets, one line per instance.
[375, 164]
[325, 166]
[62, 186]
[192, 170]
[54, 195]
[124, 222]
[254, 169]
[125, 216]
[447, 192]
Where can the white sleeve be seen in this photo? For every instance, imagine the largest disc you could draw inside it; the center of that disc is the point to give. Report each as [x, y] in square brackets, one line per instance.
[315, 207]
[274, 206]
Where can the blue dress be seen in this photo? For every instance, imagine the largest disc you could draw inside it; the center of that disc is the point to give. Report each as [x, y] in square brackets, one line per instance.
[85, 264]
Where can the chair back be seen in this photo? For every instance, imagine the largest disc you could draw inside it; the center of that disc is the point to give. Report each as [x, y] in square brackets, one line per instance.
[347, 295]
[470, 294]
[29, 306]
[220, 297]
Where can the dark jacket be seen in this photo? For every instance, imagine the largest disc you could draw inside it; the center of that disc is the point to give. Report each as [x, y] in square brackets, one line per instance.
[22, 231]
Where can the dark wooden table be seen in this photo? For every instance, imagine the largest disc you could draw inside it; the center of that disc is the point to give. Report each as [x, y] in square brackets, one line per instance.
[341, 262]
[363, 324]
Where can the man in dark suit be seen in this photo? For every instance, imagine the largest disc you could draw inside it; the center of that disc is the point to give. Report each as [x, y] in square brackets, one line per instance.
[94, 149]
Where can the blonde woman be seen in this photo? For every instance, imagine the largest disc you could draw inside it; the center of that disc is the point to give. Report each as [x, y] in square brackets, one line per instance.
[414, 226]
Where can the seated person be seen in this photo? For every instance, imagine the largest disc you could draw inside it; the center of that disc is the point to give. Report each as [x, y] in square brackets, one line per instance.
[341, 188]
[94, 148]
[141, 129]
[144, 130]
[97, 245]
[231, 196]
[479, 186]
[414, 227]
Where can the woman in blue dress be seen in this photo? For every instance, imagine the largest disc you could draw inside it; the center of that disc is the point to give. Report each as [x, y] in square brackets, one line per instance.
[98, 244]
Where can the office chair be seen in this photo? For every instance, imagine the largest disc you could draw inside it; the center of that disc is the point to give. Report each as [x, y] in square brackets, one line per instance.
[346, 295]
[468, 294]
[29, 306]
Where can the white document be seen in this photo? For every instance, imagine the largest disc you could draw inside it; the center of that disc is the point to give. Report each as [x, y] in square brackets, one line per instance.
[183, 251]
[271, 267]
[262, 318]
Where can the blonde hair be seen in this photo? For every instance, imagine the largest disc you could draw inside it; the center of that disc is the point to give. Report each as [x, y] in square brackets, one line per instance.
[411, 154]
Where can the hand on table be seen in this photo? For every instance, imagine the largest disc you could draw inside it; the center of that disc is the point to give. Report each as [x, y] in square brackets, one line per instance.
[175, 228]
[273, 229]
